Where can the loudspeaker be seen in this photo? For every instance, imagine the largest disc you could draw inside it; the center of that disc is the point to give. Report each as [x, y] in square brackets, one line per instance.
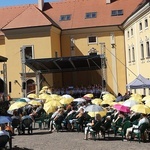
[9, 87]
[23, 85]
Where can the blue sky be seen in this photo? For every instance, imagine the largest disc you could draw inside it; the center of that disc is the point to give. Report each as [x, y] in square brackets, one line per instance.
[4, 3]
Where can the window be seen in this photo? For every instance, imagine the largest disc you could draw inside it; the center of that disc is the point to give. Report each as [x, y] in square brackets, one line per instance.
[28, 52]
[129, 52]
[140, 26]
[146, 23]
[116, 12]
[133, 55]
[148, 49]
[92, 39]
[131, 32]
[65, 17]
[142, 51]
[90, 15]
[128, 34]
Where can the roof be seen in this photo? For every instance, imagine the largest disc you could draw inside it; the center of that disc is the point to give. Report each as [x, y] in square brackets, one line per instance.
[3, 59]
[30, 16]
[65, 64]
[78, 9]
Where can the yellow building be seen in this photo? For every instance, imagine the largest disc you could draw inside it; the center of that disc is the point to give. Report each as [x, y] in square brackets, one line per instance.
[64, 29]
[137, 43]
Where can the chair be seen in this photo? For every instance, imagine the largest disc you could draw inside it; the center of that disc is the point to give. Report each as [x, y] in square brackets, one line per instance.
[3, 141]
[116, 125]
[16, 124]
[140, 132]
[40, 120]
[96, 129]
[126, 124]
[47, 119]
[27, 123]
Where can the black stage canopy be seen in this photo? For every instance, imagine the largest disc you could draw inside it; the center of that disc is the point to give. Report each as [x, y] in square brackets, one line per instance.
[65, 64]
[3, 59]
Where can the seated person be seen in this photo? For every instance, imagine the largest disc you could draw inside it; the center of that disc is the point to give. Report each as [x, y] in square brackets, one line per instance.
[22, 127]
[57, 120]
[79, 116]
[106, 125]
[3, 131]
[92, 125]
[142, 120]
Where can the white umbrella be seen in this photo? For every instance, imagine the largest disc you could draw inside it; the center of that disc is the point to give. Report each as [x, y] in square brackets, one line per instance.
[79, 100]
[130, 103]
[94, 108]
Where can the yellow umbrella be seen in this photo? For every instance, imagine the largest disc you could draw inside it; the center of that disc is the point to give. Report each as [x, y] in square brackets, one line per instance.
[66, 100]
[54, 103]
[147, 101]
[136, 95]
[32, 96]
[148, 104]
[104, 102]
[44, 96]
[138, 99]
[48, 108]
[97, 101]
[146, 98]
[34, 103]
[109, 97]
[141, 109]
[17, 105]
[102, 113]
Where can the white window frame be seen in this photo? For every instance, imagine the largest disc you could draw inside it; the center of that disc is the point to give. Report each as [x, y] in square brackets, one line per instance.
[32, 48]
[96, 39]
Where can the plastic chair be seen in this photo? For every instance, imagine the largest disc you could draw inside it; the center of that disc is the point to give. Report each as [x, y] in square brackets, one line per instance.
[16, 124]
[96, 129]
[27, 123]
[126, 124]
[140, 132]
[116, 125]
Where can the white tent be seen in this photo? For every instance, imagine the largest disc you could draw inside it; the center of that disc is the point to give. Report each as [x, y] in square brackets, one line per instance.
[139, 83]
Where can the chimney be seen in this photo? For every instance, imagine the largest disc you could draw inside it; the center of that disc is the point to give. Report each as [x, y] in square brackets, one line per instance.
[40, 4]
[108, 1]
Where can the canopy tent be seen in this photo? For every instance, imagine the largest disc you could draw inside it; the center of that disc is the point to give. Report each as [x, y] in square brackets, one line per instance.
[139, 83]
[65, 64]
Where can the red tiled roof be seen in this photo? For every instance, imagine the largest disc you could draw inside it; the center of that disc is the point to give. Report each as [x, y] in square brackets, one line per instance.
[31, 16]
[78, 9]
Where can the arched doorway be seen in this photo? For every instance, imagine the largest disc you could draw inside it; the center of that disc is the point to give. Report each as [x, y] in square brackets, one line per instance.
[30, 86]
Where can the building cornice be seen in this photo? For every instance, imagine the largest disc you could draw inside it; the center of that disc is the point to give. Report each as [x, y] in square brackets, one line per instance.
[136, 15]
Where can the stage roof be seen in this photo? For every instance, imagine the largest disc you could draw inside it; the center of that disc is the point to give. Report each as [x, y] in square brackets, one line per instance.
[65, 64]
[3, 59]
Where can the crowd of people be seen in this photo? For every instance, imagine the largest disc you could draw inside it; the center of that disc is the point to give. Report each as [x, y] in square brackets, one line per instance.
[74, 117]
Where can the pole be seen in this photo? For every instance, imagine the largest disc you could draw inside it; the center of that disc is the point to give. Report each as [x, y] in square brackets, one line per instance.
[23, 78]
[103, 66]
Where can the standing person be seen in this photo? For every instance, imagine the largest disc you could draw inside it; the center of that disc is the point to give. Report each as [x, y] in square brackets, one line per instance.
[92, 126]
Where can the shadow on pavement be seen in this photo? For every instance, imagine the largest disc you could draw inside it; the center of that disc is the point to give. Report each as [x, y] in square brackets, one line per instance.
[20, 148]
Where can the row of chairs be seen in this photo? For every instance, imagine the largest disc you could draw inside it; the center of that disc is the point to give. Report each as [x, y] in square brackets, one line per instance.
[120, 129]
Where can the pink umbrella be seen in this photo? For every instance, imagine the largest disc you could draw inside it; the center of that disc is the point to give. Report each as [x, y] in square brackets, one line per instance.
[122, 108]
